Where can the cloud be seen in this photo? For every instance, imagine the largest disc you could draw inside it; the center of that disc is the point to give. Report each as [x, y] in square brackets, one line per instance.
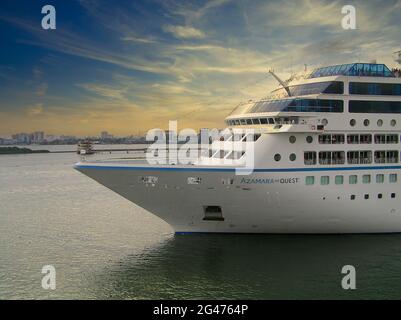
[184, 32]
[137, 39]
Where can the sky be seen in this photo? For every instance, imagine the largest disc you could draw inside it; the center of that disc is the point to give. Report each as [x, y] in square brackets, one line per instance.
[130, 66]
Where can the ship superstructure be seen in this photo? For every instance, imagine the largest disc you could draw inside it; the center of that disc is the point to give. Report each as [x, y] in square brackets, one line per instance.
[325, 159]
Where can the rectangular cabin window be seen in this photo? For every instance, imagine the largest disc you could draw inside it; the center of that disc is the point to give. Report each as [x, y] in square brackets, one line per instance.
[325, 157]
[380, 138]
[393, 178]
[353, 157]
[366, 179]
[324, 180]
[271, 121]
[325, 139]
[255, 121]
[263, 121]
[353, 179]
[365, 157]
[380, 156]
[365, 139]
[248, 121]
[237, 122]
[353, 139]
[380, 178]
[338, 139]
[392, 138]
[338, 157]
[339, 180]
[310, 158]
[392, 156]
[310, 181]
[243, 121]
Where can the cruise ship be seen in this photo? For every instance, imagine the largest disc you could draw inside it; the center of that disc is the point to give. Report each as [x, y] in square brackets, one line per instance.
[320, 154]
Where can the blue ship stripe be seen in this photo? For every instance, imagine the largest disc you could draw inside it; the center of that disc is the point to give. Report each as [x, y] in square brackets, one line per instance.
[234, 170]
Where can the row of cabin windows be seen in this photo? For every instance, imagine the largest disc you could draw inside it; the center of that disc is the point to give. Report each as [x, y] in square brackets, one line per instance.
[353, 157]
[352, 179]
[271, 121]
[358, 139]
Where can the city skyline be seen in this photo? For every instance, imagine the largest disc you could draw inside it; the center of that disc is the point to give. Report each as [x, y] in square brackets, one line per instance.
[136, 65]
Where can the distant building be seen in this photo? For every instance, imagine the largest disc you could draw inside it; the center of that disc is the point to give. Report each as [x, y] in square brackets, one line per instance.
[104, 135]
[22, 138]
[38, 137]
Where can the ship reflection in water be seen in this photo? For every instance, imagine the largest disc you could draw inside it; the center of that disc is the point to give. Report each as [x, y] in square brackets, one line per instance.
[257, 267]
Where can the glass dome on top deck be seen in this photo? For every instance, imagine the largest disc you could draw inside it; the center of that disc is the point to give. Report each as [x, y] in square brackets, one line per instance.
[354, 69]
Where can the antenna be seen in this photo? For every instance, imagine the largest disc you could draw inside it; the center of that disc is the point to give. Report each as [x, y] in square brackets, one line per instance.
[282, 83]
[399, 56]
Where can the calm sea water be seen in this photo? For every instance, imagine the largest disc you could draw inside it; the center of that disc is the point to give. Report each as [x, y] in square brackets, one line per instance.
[104, 247]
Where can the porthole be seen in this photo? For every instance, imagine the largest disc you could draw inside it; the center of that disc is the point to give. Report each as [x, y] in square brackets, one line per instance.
[352, 122]
[324, 122]
[393, 123]
[366, 122]
[309, 139]
[380, 196]
[293, 156]
[292, 139]
[277, 157]
[379, 122]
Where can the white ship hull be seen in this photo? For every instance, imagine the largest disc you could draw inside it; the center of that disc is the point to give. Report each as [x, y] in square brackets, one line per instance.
[268, 201]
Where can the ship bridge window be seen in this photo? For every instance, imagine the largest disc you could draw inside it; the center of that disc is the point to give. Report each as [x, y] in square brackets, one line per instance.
[263, 121]
[328, 87]
[298, 105]
[255, 121]
[248, 121]
[387, 89]
[310, 158]
[356, 106]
